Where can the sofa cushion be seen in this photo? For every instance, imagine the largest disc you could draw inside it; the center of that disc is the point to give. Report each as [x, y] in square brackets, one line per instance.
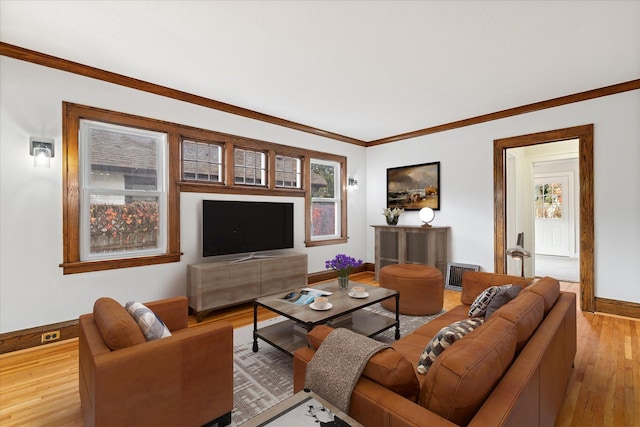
[150, 324]
[388, 367]
[117, 327]
[461, 379]
[443, 340]
[503, 297]
[526, 312]
[549, 289]
[431, 328]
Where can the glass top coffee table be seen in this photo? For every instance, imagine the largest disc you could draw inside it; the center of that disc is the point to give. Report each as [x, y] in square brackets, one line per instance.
[304, 408]
[346, 312]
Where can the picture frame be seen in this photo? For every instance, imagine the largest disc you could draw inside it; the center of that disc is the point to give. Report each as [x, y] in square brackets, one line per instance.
[414, 187]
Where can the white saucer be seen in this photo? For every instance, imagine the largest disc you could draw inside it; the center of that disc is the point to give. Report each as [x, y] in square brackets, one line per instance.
[352, 295]
[327, 307]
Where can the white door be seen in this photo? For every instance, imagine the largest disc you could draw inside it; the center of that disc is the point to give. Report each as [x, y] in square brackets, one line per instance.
[552, 213]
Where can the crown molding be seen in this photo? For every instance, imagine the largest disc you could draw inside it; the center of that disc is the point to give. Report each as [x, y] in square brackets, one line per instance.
[34, 57]
[27, 55]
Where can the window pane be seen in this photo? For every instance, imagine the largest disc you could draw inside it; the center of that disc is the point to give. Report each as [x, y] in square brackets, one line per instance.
[114, 153]
[201, 161]
[288, 172]
[250, 167]
[323, 219]
[323, 180]
[548, 201]
[325, 199]
[118, 225]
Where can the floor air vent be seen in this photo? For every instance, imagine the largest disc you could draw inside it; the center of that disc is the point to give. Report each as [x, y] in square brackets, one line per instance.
[455, 272]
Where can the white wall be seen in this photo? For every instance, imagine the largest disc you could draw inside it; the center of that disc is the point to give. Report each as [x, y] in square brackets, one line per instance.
[466, 157]
[33, 290]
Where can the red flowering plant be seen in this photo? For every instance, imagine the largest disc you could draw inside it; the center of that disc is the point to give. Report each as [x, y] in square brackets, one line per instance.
[124, 221]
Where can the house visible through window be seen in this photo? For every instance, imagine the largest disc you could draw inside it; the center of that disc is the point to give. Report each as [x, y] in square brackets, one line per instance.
[249, 167]
[201, 161]
[123, 177]
[325, 200]
[288, 172]
[122, 191]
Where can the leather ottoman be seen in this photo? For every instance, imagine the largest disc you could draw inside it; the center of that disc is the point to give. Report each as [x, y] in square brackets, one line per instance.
[421, 288]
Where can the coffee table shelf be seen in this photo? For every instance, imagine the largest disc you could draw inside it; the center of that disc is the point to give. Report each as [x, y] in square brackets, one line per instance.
[289, 335]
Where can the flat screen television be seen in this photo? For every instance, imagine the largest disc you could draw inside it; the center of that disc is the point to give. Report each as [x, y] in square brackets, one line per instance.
[235, 227]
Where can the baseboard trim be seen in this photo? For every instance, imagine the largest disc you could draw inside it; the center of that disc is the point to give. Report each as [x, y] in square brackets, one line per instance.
[618, 308]
[32, 337]
[330, 274]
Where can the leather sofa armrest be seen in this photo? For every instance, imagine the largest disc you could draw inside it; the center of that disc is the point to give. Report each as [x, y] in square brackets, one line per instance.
[373, 404]
[301, 358]
[174, 312]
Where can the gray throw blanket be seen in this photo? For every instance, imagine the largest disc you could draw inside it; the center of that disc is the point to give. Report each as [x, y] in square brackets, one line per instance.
[336, 366]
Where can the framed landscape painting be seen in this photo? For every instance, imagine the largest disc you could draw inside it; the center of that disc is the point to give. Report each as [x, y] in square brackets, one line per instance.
[414, 187]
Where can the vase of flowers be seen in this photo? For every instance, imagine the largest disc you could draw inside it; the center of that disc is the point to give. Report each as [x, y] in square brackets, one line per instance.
[392, 215]
[343, 265]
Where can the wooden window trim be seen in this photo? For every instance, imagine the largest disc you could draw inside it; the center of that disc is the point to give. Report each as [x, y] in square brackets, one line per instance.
[72, 113]
[343, 200]
[72, 263]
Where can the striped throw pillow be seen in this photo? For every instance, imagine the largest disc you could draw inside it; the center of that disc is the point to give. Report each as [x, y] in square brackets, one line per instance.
[444, 339]
[150, 324]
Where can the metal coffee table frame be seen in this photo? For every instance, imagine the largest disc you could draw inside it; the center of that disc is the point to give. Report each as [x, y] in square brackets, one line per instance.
[283, 335]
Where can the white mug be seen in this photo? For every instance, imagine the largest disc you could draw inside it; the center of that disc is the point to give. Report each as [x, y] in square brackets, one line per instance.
[358, 291]
[321, 302]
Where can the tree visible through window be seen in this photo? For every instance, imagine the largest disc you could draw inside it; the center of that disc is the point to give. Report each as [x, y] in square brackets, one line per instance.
[548, 201]
[325, 199]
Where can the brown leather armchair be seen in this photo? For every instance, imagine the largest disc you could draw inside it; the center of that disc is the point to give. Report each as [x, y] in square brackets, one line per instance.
[185, 379]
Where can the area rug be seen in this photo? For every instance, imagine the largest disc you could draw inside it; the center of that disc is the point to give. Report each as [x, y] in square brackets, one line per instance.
[265, 378]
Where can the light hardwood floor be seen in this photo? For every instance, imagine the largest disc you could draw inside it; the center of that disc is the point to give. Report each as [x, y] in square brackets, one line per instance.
[39, 386]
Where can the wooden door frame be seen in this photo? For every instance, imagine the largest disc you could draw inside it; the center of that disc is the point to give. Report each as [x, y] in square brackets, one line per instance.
[584, 135]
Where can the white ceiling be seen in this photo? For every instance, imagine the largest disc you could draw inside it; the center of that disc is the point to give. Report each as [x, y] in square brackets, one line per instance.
[363, 69]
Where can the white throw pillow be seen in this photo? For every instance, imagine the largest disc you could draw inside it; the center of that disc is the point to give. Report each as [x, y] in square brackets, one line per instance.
[150, 324]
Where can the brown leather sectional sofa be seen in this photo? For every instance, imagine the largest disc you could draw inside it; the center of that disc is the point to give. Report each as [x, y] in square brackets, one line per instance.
[511, 371]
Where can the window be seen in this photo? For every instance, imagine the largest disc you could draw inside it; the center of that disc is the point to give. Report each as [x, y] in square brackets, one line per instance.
[121, 201]
[122, 191]
[122, 176]
[249, 167]
[201, 161]
[326, 203]
[548, 201]
[288, 171]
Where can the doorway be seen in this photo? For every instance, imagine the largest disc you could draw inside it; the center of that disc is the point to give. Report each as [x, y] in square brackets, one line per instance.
[503, 227]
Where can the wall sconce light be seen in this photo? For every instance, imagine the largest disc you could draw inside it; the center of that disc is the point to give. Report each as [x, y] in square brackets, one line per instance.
[42, 151]
[426, 216]
[352, 183]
